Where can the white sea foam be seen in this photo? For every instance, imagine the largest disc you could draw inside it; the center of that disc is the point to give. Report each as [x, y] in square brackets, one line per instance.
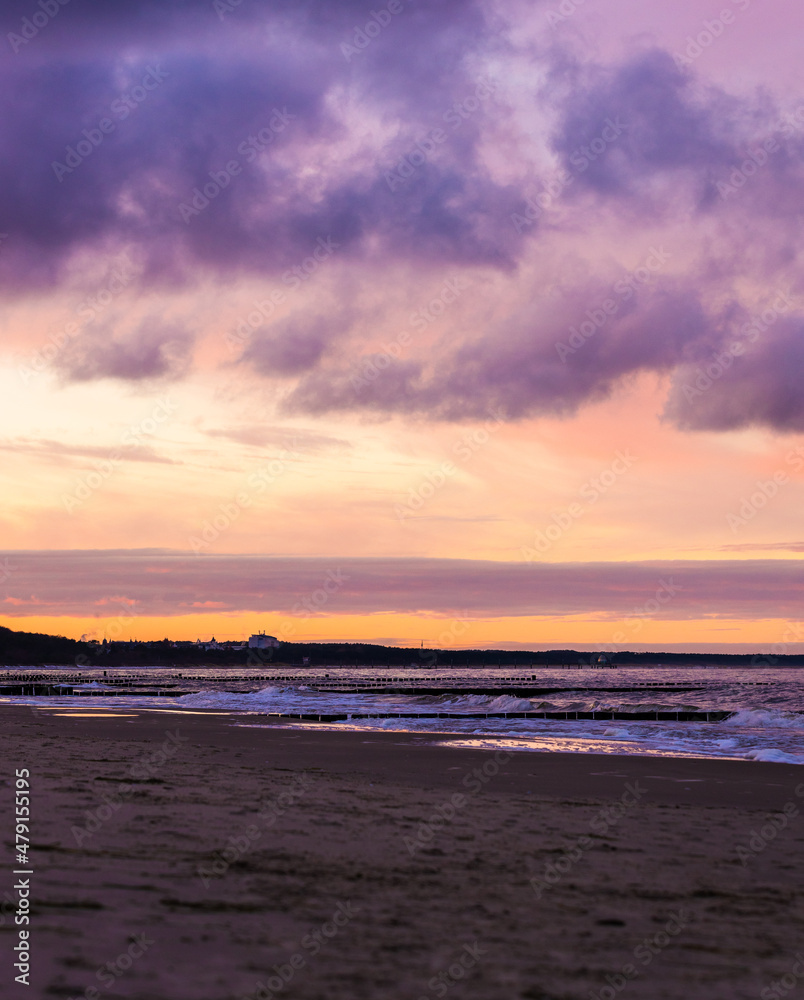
[485, 703]
[775, 756]
[307, 700]
[762, 718]
[269, 698]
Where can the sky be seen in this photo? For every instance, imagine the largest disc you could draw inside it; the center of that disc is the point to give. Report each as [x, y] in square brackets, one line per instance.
[476, 324]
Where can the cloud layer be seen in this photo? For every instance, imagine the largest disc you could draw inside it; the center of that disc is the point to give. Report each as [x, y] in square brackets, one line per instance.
[167, 583]
[223, 147]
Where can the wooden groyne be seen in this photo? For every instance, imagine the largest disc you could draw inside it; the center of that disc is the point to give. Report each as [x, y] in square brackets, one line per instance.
[563, 716]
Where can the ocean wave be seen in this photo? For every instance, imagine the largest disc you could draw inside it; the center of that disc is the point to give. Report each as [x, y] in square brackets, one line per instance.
[273, 698]
[764, 718]
[775, 756]
[487, 703]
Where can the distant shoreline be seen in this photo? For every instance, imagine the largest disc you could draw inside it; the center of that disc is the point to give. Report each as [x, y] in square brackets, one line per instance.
[19, 650]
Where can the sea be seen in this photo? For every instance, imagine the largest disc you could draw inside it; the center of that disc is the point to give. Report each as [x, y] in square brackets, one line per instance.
[708, 712]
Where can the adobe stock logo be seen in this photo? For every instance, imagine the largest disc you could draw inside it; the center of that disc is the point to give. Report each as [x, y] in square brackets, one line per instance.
[624, 290]
[121, 108]
[31, 26]
[378, 22]
[249, 149]
[590, 493]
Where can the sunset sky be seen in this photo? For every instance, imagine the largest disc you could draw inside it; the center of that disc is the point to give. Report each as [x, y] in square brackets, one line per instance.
[470, 323]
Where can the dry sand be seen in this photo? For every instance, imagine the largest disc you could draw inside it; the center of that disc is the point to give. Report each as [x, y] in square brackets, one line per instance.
[202, 860]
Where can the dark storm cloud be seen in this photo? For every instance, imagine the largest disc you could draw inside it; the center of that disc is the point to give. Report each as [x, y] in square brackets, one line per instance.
[246, 91]
[237, 137]
[68, 184]
[174, 583]
[623, 126]
[639, 136]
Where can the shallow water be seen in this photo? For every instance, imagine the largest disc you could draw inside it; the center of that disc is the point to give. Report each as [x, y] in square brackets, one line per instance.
[767, 724]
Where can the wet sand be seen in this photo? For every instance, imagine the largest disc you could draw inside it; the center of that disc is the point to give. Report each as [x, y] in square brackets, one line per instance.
[179, 857]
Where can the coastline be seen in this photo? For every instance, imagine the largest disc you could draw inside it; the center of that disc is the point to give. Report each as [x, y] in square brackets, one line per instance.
[545, 871]
[723, 714]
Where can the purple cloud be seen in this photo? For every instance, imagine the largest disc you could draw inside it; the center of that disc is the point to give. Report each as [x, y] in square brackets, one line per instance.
[174, 583]
[241, 140]
[153, 351]
[760, 385]
[294, 345]
[518, 368]
[624, 126]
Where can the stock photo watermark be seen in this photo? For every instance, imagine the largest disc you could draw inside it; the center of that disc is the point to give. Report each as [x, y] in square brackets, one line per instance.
[466, 960]
[473, 781]
[372, 366]
[122, 273]
[711, 30]
[378, 21]
[133, 437]
[238, 846]
[644, 954]
[635, 621]
[293, 278]
[624, 290]
[311, 944]
[142, 769]
[249, 149]
[759, 157]
[716, 368]
[316, 600]
[108, 973]
[581, 159]
[6, 570]
[112, 630]
[313, 604]
[600, 824]
[424, 148]
[91, 138]
[766, 490]
[760, 839]
[224, 7]
[447, 638]
[590, 493]
[786, 983]
[464, 450]
[31, 26]
[228, 513]
[792, 633]
[563, 12]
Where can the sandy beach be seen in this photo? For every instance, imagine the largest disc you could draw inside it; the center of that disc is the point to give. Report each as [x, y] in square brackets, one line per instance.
[176, 856]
